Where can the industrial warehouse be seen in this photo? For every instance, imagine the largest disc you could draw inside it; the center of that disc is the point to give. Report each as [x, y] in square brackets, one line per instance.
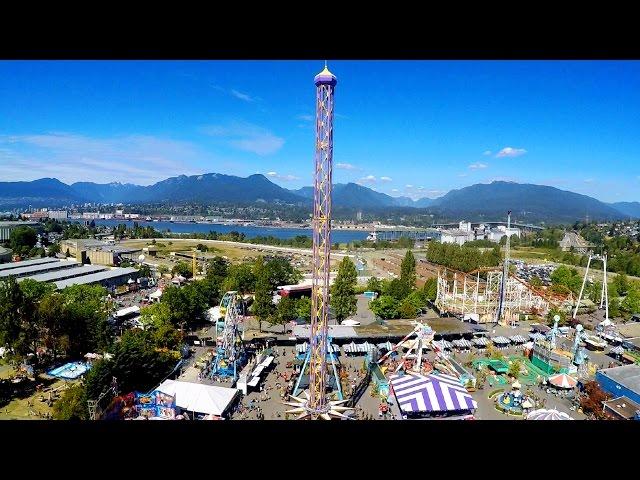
[64, 273]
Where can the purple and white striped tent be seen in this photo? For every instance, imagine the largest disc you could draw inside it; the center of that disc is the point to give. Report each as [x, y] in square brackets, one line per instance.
[431, 393]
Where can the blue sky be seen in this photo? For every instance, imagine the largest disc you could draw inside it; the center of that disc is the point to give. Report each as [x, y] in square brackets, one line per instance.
[415, 128]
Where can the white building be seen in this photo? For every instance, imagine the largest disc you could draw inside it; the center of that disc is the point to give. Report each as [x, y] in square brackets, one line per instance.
[496, 234]
[456, 236]
[59, 214]
[465, 226]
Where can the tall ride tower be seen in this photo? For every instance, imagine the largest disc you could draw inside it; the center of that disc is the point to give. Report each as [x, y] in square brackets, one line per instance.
[317, 404]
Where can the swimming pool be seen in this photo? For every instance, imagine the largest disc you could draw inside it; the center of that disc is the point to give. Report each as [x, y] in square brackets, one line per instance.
[70, 370]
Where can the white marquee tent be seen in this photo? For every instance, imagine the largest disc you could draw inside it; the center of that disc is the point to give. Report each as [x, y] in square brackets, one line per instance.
[199, 398]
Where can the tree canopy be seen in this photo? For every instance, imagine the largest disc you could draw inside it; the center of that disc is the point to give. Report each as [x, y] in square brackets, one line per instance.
[343, 296]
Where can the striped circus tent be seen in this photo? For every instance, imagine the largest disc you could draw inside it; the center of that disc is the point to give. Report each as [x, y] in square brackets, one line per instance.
[518, 339]
[550, 414]
[350, 347]
[536, 336]
[303, 347]
[462, 343]
[480, 341]
[442, 345]
[562, 380]
[500, 340]
[386, 345]
[431, 393]
[619, 350]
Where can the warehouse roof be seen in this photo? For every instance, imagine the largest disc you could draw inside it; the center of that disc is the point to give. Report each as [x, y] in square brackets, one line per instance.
[630, 330]
[96, 277]
[66, 273]
[335, 331]
[627, 375]
[623, 406]
[14, 223]
[26, 263]
[40, 268]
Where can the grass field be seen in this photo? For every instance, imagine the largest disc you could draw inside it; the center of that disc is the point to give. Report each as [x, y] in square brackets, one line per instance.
[164, 247]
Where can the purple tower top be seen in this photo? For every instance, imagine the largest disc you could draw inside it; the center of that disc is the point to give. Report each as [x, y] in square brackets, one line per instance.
[325, 77]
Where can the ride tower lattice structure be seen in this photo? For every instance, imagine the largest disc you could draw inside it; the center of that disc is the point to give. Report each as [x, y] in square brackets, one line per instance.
[230, 355]
[317, 404]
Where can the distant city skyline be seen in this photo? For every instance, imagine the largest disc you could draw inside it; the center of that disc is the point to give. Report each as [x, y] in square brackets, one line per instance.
[405, 128]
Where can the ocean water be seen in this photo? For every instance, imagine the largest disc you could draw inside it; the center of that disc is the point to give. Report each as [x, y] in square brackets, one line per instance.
[340, 236]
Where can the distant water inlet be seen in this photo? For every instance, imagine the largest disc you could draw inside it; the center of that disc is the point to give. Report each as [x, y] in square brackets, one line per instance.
[337, 236]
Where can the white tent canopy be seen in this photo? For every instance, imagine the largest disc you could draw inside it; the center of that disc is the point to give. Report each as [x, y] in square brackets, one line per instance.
[123, 312]
[156, 294]
[199, 398]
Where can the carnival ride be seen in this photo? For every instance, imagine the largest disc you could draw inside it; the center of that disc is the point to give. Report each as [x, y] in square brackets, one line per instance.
[230, 355]
[419, 339]
[333, 359]
[604, 294]
[316, 405]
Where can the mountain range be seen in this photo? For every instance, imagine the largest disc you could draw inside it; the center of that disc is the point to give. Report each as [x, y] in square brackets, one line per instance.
[534, 203]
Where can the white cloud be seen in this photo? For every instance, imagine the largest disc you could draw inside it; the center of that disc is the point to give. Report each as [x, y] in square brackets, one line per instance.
[435, 193]
[477, 166]
[347, 166]
[242, 96]
[462, 174]
[395, 190]
[420, 188]
[408, 186]
[71, 157]
[386, 179]
[511, 152]
[367, 179]
[247, 137]
[588, 180]
[306, 118]
[284, 178]
[486, 153]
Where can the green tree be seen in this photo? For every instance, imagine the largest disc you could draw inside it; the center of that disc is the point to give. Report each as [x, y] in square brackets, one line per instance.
[385, 307]
[343, 298]
[398, 289]
[156, 314]
[408, 270]
[285, 312]
[218, 268]
[163, 269]
[514, 368]
[430, 289]
[555, 311]
[12, 312]
[614, 308]
[304, 308]
[631, 302]
[621, 283]
[22, 239]
[240, 278]
[137, 363]
[144, 271]
[72, 405]
[374, 285]
[535, 281]
[86, 316]
[182, 268]
[280, 272]
[263, 307]
[52, 312]
[407, 309]
[53, 249]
